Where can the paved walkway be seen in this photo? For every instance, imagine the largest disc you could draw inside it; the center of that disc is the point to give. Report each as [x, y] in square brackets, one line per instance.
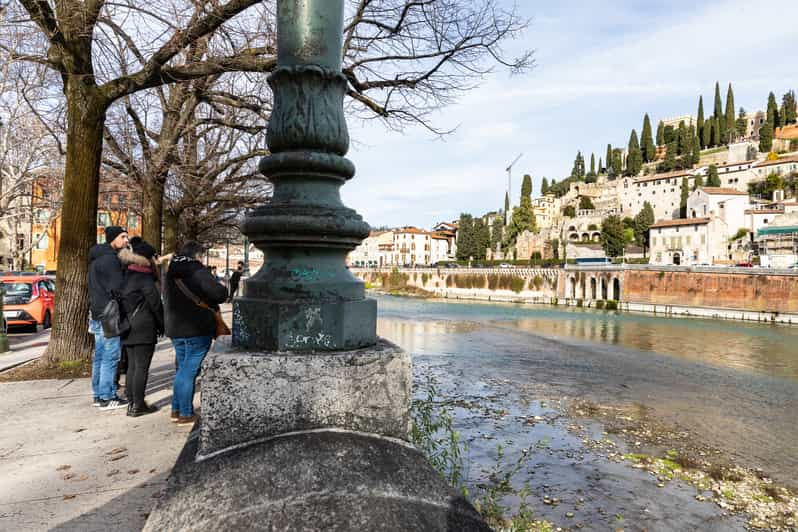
[24, 348]
[65, 465]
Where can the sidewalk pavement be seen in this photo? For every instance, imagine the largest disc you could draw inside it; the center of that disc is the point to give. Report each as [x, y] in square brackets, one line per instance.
[24, 349]
[68, 466]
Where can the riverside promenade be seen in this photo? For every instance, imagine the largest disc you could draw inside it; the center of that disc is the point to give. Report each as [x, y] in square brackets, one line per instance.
[67, 466]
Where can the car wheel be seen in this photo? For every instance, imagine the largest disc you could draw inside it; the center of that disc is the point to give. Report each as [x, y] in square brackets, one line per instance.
[48, 321]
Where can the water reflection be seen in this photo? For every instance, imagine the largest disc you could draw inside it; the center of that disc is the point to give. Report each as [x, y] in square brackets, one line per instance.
[764, 348]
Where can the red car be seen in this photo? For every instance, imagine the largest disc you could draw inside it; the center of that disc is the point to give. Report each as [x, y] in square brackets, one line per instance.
[28, 300]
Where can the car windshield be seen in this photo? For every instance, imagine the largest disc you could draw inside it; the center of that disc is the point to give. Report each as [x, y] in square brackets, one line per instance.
[17, 293]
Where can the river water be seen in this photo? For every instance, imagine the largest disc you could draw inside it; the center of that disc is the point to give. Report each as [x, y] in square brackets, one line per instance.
[733, 385]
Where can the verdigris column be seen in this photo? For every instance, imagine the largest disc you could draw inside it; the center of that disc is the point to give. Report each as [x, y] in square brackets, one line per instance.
[305, 416]
[304, 298]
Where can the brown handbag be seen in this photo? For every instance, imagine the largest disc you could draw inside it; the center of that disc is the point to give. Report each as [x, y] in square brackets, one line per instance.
[221, 327]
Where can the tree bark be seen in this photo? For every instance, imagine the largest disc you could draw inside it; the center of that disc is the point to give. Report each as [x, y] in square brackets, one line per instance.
[170, 231]
[85, 120]
[153, 212]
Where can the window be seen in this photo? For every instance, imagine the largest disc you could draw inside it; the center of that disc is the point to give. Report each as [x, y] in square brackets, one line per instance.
[103, 219]
[132, 221]
[41, 241]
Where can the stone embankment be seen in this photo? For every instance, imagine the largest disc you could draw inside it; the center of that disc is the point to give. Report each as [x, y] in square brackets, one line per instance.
[751, 294]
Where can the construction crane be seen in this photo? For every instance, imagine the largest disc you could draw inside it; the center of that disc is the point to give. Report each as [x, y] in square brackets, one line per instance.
[510, 176]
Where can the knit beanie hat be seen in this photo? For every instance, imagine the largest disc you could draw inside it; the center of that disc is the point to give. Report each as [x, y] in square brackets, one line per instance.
[142, 248]
[113, 231]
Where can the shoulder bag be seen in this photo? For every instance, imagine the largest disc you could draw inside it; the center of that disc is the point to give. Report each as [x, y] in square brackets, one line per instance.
[221, 327]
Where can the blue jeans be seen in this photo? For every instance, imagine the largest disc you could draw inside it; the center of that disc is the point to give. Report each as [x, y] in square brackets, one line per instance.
[106, 358]
[189, 354]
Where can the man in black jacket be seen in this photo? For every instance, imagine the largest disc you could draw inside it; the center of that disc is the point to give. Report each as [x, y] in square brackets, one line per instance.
[106, 278]
[190, 287]
[235, 279]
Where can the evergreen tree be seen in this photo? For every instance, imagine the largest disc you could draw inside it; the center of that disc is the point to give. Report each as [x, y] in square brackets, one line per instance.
[789, 107]
[718, 112]
[700, 120]
[696, 150]
[586, 203]
[766, 137]
[634, 160]
[612, 239]
[481, 236]
[465, 237]
[600, 167]
[661, 133]
[687, 150]
[670, 157]
[506, 208]
[647, 147]
[716, 131]
[698, 182]
[523, 219]
[773, 111]
[526, 187]
[683, 202]
[578, 171]
[544, 186]
[592, 164]
[741, 124]
[731, 126]
[669, 134]
[681, 138]
[706, 134]
[608, 158]
[496, 233]
[713, 179]
[642, 225]
[617, 162]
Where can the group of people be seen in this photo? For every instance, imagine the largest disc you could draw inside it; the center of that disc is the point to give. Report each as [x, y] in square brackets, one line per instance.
[127, 271]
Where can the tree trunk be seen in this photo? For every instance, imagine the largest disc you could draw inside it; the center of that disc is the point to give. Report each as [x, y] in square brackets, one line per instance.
[153, 212]
[170, 231]
[85, 120]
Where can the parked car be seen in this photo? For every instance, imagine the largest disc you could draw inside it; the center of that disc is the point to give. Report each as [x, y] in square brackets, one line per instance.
[28, 300]
[745, 265]
[505, 265]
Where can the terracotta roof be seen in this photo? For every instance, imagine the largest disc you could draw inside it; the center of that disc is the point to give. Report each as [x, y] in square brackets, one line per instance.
[764, 211]
[780, 160]
[664, 175]
[413, 230]
[440, 237]
[684, 221]
[786, 132]
[741, 163]
[723, 191]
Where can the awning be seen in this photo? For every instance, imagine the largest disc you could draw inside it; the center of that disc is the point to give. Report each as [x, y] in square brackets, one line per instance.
[778, 230]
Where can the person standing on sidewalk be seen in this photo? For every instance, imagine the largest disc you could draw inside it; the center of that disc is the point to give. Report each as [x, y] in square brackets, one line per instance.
[190, 326]
[143, 307]
[106, 279]
[235, 279]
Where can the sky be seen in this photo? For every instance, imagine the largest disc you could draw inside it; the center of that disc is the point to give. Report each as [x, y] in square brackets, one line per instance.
[599, 67]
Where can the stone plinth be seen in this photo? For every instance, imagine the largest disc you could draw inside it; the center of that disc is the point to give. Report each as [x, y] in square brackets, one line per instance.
[331, 481]
[248, 396]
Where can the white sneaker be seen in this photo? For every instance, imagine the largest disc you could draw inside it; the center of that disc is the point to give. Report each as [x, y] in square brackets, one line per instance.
[113, 404]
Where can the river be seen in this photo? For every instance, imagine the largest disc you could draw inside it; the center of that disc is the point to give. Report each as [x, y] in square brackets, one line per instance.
[732, 385]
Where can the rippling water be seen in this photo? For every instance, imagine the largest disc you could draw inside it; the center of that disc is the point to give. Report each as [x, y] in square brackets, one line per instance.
[733, 384]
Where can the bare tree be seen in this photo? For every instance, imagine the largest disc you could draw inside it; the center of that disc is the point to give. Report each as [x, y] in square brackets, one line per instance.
[403, 59]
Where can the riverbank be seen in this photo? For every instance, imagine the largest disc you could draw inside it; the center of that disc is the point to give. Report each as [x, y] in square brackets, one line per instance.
[612, 405]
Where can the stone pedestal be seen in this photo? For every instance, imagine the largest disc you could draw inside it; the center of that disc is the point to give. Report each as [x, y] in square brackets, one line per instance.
[248, 396]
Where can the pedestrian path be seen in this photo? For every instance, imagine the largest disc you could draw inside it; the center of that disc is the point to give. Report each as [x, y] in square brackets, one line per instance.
[67, 466]
[25, 351]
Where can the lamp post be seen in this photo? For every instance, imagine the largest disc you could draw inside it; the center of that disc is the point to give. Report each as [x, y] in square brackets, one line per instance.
[304, 298]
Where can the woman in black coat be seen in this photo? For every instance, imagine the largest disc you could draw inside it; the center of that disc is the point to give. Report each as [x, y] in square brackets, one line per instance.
[144, 310]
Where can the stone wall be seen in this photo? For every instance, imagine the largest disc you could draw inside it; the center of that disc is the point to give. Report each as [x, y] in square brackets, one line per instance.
[753, 291]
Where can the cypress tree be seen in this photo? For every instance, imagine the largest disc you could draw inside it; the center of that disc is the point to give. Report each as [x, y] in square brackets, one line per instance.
[731, 126]
[681, 138]
[526, 187]
[592, 164]
[766, 137]
[669, 134]
[506, 208]
[608, 158]
[670, 157]
[465, 237]
[496, 233]
[696, 150]
[706, 134]
[713, 179]
[661, 133]
[716, 133]
[617, 162]
[789, 107]
[544, 186]
[718, 105]
[683, 202]
[698, 182]
[700, 121]
[773, 111]
[600, 166]
[741, 124]
[634, 161]
[647, 147]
